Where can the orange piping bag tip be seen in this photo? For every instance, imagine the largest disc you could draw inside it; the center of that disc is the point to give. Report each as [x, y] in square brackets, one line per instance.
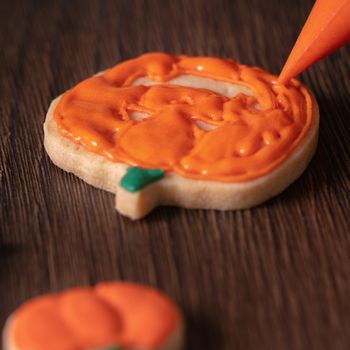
[326, 29]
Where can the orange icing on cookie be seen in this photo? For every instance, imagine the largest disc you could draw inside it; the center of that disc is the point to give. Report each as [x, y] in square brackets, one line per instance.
[117, 313]
[252, 135]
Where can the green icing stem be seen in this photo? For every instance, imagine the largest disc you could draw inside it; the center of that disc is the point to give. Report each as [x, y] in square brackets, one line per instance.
[137, 178]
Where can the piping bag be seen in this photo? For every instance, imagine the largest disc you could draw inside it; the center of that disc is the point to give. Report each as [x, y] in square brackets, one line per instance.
[326, 29]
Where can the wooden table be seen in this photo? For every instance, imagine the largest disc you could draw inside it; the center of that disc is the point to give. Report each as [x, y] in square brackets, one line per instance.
[274, 277]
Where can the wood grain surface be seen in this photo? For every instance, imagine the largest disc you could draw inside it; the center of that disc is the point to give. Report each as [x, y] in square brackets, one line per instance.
[274, 277]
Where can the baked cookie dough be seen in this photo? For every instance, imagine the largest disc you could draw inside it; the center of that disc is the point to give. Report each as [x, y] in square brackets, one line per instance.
[109, 316]
[195, 132]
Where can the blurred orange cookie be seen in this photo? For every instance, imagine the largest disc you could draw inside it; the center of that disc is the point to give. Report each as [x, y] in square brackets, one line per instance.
[110, 316]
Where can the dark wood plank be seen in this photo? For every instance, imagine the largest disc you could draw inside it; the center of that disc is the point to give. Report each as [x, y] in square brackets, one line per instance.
[274, 277]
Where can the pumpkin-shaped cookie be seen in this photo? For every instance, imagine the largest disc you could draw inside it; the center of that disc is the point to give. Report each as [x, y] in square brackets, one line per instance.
[110, 316]
[197, 132]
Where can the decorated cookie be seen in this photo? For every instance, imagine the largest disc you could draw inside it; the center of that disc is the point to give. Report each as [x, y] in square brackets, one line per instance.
[110, 316]
[196, 132]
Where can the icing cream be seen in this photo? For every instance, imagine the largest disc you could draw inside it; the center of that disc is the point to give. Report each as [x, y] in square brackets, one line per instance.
[251, 135]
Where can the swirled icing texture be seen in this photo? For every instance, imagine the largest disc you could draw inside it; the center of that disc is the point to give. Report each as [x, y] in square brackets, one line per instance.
[251, 135]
